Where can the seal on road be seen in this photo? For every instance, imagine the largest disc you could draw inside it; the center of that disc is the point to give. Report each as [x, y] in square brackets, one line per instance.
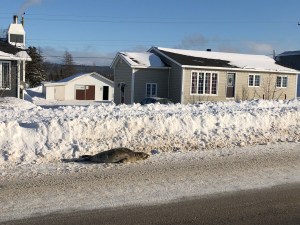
[116, 155]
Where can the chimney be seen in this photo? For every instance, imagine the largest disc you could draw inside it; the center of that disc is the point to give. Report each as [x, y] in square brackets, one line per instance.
[22, 21]
[15, 19]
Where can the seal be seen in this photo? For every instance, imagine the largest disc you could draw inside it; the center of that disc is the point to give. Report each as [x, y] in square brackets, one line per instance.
[116, 155]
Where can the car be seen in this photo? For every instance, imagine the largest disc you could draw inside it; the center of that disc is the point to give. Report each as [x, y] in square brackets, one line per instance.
[153, 100]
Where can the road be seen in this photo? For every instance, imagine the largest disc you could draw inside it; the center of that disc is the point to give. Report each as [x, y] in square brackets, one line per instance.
[276, 205]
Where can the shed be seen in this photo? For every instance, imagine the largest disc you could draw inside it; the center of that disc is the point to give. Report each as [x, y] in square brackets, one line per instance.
[82, 86]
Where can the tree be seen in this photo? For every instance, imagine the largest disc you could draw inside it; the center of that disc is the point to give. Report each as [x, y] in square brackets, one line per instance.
[35, 72]
[68, 68]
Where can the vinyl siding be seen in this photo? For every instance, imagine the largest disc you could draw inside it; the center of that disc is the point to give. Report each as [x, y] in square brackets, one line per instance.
[143, 76]
[122, 73]
[175, 79]
[242, 90]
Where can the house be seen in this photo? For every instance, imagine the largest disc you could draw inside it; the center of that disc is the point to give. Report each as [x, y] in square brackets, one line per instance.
[187, 76]
[83, 86]
[12, 62]
[290, 59]
[12, 70]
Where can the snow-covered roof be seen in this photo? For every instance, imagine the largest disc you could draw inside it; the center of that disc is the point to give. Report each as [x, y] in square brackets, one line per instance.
[222, 59]
[75, 77]
[10, 52]
[140, 60]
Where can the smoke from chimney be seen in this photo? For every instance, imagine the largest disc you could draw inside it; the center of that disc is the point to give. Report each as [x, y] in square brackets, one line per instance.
[27, 4]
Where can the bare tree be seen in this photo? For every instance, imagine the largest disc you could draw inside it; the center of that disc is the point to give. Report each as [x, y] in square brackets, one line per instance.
[269, 89]
[68, 68]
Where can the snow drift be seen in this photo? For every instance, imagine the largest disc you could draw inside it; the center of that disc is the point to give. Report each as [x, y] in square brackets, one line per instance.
[32, 134]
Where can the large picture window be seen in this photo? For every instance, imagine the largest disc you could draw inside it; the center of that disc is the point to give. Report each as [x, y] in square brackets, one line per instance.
[281, 81]
[204, 83]
[5, 75]
[151, 90]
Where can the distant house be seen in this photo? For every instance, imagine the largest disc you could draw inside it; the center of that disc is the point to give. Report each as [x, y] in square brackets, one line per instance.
[83, 86]
[290, 59]
[12, 62]
[187, 76]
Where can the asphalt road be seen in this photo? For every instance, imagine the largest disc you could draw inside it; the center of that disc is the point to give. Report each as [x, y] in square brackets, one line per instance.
[276, 205]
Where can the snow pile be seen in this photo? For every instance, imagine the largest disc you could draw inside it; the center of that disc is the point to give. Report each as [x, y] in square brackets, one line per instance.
[32, 134]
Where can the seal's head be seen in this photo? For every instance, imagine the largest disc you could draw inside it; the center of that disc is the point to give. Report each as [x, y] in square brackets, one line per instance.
[141, 155]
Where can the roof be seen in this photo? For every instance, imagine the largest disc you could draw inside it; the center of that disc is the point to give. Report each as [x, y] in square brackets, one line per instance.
[76, 77]
[192, 58]
[290, 53]
[140, 60]
[10, 52]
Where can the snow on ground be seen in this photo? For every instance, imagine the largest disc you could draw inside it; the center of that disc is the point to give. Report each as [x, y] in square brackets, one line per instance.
[32, 134]
[195, 150]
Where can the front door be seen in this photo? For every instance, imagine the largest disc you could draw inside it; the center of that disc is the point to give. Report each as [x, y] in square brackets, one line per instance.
[230, 85]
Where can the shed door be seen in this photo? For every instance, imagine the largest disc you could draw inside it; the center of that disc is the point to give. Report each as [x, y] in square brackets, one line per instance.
[230, 85]
[85, 92]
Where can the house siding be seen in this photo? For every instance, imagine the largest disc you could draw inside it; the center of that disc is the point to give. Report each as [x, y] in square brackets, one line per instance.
[143, 76]
[123, 74]
[242, 90]
[175, 78]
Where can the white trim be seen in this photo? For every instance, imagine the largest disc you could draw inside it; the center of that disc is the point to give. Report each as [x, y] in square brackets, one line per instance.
[238, 69]
[9, 73]
[296, 89]
[254, 75]
[204, 94]
[132, 85]
[281, 81]
[182, 87]
[151, 90]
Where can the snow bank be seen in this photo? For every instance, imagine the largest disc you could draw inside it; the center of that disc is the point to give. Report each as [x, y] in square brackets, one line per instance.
[32, 134]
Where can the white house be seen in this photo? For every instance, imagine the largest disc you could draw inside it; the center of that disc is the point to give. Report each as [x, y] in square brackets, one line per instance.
[83, 86]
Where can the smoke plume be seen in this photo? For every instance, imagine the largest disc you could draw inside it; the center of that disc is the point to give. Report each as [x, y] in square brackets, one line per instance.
[27, 4]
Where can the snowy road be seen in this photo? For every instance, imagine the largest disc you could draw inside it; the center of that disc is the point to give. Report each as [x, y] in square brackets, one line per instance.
[163, 178]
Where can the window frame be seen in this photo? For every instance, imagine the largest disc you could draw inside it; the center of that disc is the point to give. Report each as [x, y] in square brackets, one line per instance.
[200, 88]
[151, 90]
[281, 81]
[1, 75]
[254, 80]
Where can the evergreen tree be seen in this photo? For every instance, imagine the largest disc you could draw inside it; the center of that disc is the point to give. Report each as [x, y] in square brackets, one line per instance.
[35, 73]
[68, 67]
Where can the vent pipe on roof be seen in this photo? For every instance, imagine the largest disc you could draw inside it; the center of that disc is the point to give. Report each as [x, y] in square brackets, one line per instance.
[15, 19]
[208, 50]
[22, 21]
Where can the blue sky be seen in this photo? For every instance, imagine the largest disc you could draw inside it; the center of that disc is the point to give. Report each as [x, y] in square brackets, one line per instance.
[97, 30]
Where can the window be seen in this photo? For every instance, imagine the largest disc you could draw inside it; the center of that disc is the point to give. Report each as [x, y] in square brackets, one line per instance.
[204, 83]
[254, 80]
[4, 75]
[151, 90]
[17, 38]
[281, 81]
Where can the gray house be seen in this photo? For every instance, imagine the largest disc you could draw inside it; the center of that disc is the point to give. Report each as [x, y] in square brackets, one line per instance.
[12, 61]
[12, 70]
[187, 76]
